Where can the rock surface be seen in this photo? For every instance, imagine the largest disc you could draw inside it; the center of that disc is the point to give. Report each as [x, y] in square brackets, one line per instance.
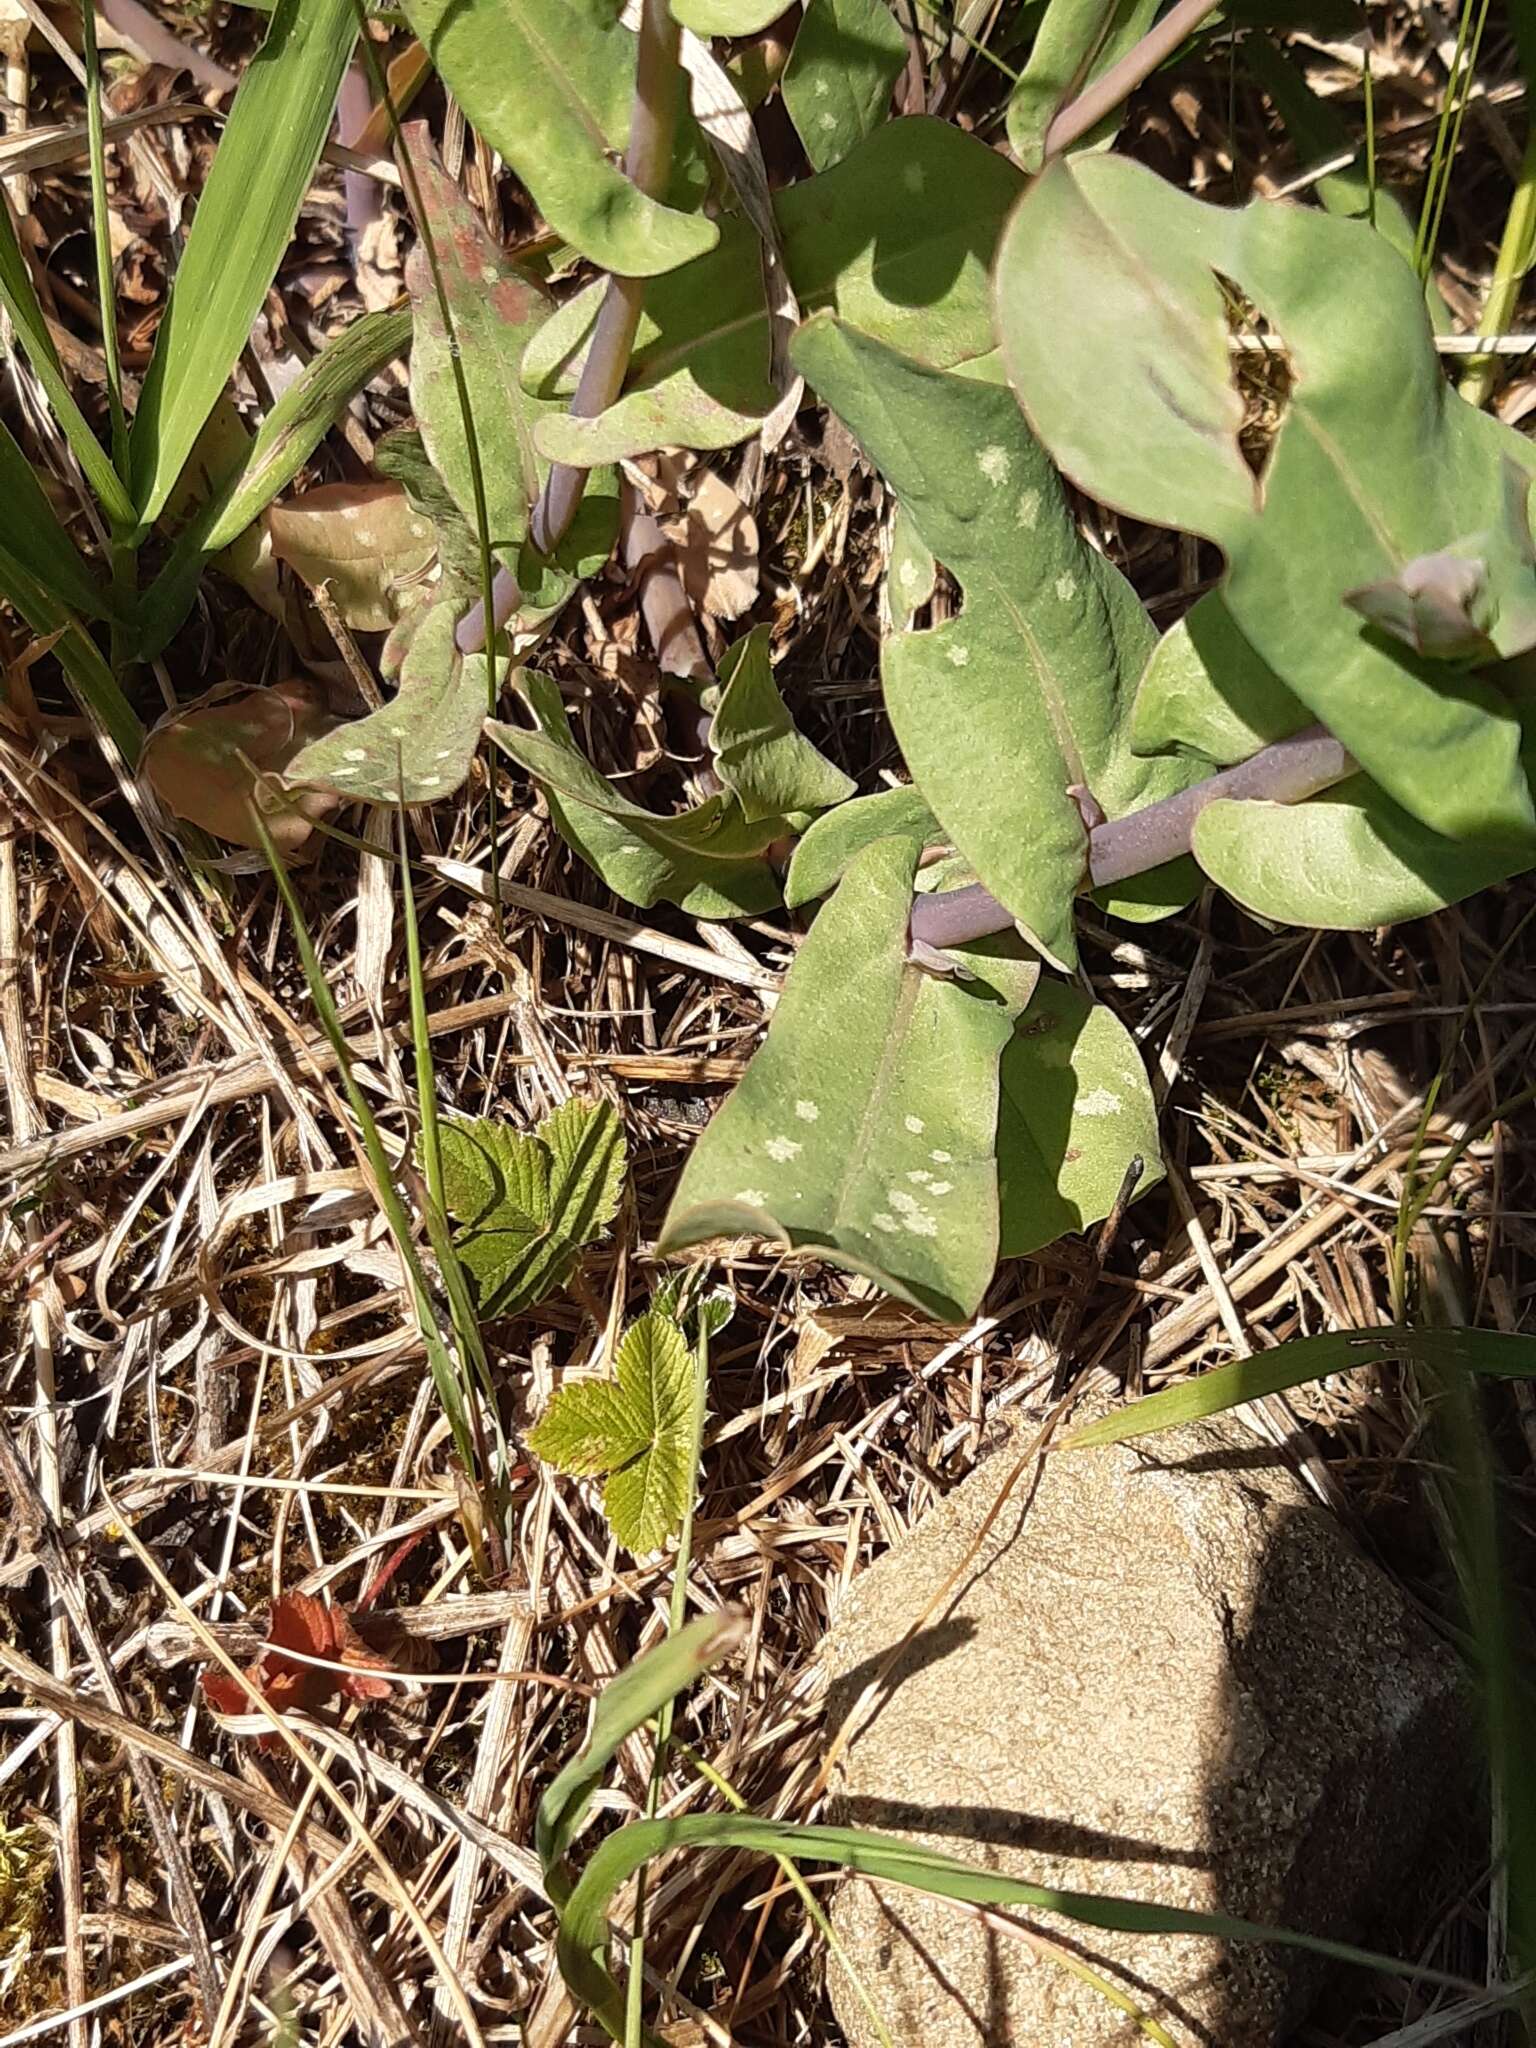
[1165, 1674]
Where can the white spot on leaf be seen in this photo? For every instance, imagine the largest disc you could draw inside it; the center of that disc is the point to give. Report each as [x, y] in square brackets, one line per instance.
[919, 1176]
[806, 1111]
[993, 464]
[959, 656]
[1066, 588]
[915, 1125]
[782, 1149]
[356, 754]
[914, 1217]
[940, 1187]
[1099, 1102]
[753, 1197]
[884, 1222]
[940, 1158]
[1028, 513]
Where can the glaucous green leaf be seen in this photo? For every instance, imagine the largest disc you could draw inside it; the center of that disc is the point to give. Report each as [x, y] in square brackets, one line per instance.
[898, 239]
[913, 574]
[829, 843]
[1076, 1109]
[1076, 41]
[1347, 860]
[837, 84]
[364, 542]
[863, 1131]
[1004, 710]
[1376, 461]
[708, 860]
[760, 754]
[1205, 691]
[636, 1428]
[726, 17]
[244, 222]
[523, 1205]
[550, 83]
[495, 310]
[416, 748]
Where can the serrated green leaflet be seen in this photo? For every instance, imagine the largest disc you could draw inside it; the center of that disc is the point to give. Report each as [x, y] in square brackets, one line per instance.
[523, 1205]
[495, 310]
[837, 85]
[1376, 462]
[550, 83]
[1305, 1359]
[915, 274]
[1076, 41]
[708, 860]
[261, 172]
[416, 748]
[864, 1128]
[1003, 710]
[636, 1429]
[822, 853]
[1076, 1109]
[760, 755]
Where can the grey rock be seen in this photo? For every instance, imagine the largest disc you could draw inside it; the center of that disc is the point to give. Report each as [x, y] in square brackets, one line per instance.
[1165, 1674]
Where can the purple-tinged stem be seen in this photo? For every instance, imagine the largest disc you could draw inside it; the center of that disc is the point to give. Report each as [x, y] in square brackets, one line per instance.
[1283, 773]
[648, 164]
[354, 106]
[1080, 116]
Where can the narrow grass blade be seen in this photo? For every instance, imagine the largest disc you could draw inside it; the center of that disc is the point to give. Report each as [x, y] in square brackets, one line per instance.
[1490, 1353]
[82, 661]
[30, 530]
[244, 223]
[20, 301]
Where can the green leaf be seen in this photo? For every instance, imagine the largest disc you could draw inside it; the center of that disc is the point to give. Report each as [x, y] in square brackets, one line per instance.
[1304, 1360]
[418, 747]
[523, 1205]
[550, 83]
[243, 225]
[823, 852]
[364, 541]
[726, 17]
[90, 678]
[837, 84]
[913, 575]
[1076, 1109]
[1003, 710]
[1077, 41]
[863, 1130]
[1376, 462]
[21, 302]
[708, 860]
[914, 273]
[284, 442]
[1205, 691]
[767, 763]
[495, 311]
[30, 532]
[636, 1428]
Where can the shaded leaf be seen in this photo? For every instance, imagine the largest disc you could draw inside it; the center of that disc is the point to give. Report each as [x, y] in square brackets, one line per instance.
[213, 761]
[1439, 605]
[523, 1205]
[760, 755]
[708, 860]
[550, 83]
[244, 222]
[915, 274]
[417, 748]
[361, 540]
[714, 533]
[637, 1429]
[837, 84]
[31, 534]
[829, 843]
[864, 1128]
[1376, 461]
[1003, 711]
[1077, 40]
[1207, 692]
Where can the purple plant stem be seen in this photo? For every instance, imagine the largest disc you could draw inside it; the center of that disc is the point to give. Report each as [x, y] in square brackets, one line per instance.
[1283, 773]
[647, 163]
[354, 104]
[1080, 116]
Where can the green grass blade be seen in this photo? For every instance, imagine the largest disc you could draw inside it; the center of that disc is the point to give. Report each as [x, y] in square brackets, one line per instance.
[82, 661]
[21, 302]
[1490, 1353]
[260, 175]
[101, 225]
[284, 442]
[31, 532]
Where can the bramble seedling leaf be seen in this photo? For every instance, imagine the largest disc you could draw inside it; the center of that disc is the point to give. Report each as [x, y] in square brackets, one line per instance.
[1075, 42]
[829, 843]
[495, 312]
[1002, 711]
[550, 84]
[1376, 461]
[416, 748]
[914, 273]
[708, 860]
[837, 84]
[685, 1298]
[363, 541]
[864, 1129]
[523, 1204]
[637, 1429]
[211, 760]
[760, 754]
